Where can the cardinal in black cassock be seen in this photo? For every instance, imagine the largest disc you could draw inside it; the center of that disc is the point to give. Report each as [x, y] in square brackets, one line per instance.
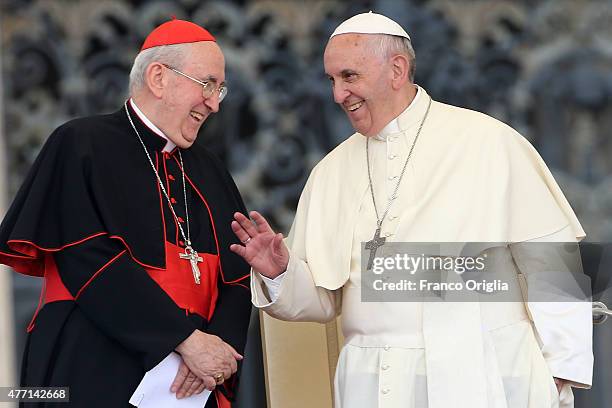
[114, 215]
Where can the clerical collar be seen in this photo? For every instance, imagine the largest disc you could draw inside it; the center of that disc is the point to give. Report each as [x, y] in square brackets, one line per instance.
[169, 143]
[393, 126]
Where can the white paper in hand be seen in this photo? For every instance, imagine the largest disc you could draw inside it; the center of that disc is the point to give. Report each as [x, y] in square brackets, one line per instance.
[154, 389]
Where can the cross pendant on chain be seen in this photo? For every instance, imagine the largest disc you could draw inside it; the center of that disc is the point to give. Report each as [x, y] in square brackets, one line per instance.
[193, 257]
[376, 242]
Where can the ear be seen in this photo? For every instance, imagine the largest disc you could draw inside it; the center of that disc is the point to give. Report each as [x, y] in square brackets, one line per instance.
[156, 79]
[400, 67]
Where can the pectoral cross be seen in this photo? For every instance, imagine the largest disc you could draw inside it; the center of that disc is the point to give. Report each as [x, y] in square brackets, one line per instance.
[376, 242]
[193, 257]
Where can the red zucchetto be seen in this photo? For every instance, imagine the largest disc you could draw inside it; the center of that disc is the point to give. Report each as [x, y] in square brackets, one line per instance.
[176, 32]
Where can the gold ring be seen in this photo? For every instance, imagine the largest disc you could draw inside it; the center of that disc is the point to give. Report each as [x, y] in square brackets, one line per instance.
[219, 379]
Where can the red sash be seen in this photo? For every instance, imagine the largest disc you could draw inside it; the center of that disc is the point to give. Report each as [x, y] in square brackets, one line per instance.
[178, 282]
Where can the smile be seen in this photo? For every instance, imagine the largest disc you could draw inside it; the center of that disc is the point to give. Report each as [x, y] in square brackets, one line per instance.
[197, 116]
[355, 106]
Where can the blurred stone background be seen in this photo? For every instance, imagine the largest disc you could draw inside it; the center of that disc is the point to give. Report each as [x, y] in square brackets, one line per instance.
[544, 67]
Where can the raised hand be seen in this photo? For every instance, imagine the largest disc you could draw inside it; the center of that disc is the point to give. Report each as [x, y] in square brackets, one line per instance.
[262, 248]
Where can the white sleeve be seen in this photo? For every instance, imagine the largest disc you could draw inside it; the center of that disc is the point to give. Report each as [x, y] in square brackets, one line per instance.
[564, 327]
[293, 295]
[273, 285]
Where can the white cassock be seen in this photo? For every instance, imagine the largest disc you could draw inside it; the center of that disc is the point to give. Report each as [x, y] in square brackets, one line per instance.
[471, 178]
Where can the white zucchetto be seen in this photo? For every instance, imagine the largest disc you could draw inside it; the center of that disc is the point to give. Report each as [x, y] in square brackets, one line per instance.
[370, 23]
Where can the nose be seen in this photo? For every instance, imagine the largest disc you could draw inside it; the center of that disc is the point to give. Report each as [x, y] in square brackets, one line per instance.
[340, 93]
[213, 102]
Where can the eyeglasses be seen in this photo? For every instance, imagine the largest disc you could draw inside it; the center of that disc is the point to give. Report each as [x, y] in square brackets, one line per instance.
[208, 87]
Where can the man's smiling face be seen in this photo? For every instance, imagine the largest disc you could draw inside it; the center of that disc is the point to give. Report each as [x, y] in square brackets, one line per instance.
[361, 81]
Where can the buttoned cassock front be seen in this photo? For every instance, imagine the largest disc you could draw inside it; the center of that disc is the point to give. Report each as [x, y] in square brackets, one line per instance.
[471, 179]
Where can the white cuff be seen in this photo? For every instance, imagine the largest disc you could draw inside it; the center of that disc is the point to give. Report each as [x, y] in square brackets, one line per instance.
[273, 285]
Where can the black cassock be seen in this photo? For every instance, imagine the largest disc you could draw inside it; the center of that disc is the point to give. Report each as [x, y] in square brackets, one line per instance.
[92, 219]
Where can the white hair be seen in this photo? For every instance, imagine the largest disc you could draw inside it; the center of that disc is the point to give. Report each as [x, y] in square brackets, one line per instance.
[173, 55]
[385, 46]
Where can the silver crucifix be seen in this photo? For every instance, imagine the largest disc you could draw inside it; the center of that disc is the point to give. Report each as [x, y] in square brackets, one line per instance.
[193, 257]
[376, 242]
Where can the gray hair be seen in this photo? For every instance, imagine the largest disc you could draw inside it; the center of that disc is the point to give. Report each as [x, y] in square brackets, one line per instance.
[385, 46]
[173, 55]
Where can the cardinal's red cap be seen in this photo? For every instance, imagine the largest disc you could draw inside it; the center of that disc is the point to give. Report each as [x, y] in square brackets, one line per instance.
[176, 32]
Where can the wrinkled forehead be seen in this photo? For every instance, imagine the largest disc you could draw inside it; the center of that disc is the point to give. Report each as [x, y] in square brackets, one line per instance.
[351, 42]
[350, 50]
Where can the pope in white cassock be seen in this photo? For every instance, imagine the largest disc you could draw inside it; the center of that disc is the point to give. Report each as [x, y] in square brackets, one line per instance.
[417, 170]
